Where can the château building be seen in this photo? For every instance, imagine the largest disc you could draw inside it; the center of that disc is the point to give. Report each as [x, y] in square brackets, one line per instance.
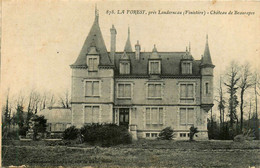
[143, 91]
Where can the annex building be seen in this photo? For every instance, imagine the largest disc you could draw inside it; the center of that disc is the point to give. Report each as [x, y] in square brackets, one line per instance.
[143, 91]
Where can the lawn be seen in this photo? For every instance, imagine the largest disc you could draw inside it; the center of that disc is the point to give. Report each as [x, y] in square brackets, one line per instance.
[142, 153]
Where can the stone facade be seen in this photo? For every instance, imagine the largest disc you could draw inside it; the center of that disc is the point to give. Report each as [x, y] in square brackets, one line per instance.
[143, 91]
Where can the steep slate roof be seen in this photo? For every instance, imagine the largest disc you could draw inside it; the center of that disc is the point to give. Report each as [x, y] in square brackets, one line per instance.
[171, 64]
[206, 59]
[94, 38]
[128, 46]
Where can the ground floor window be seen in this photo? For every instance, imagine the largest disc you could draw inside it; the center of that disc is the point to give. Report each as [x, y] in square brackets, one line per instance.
[154, 115]
[186, 116]
[183, 135]
[152, 135]
[91, 114]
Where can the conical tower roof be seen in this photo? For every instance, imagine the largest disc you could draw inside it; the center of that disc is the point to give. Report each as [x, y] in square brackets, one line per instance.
[94, 38]
[206, 59]
[128, 47]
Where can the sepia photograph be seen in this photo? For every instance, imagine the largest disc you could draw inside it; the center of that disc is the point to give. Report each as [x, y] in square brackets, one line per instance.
[130, 83]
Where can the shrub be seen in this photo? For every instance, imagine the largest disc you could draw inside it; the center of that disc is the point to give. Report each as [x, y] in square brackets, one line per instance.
[105, 134]
[193, 131]
[239, 138]
[166, 133]
[70, 133]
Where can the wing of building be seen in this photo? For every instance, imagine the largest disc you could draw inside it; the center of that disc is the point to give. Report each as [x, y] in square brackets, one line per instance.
[143, 91]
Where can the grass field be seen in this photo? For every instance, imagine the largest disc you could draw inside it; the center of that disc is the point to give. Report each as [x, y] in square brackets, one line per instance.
[143, 153]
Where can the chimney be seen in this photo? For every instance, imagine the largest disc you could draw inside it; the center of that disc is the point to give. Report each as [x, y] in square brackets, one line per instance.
[113, 44]
[137, 50]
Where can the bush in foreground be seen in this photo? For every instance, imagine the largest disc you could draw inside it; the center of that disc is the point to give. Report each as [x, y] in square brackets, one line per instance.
[166, 134]
[70, 133]
[105, 134]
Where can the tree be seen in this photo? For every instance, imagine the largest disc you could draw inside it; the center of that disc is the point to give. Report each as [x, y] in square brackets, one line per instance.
[256, 85]
[166, 133]
[64, 100]
[221, 104]
[245, 83]
[39, 125]
[232, 81]
[7, 117]
[193, 131]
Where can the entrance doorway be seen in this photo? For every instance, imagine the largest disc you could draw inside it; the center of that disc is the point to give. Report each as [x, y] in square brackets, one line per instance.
[124, 117]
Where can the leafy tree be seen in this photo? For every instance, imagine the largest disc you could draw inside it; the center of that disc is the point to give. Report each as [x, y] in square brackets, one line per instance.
[7, 117]
[19, 117]
[38, 125]
[166, 134]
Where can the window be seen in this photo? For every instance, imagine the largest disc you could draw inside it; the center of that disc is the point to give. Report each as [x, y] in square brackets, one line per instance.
[186, 116]
[124, 68]
[182, 134]
[91, 114]
[93, 64]
[154, 67]
[92, 88]
[49, 128]
[154, 115]
[154, 90]
[187, 93]
[124, 90]
[186, 68]
[207, 88]
[59, 127]
[154, 135]
[151, 135]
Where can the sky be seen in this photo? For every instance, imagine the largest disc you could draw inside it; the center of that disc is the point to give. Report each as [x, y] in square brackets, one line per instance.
[40, 39]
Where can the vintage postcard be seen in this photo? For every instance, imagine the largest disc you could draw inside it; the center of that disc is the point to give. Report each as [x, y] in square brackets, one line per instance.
[130, 83]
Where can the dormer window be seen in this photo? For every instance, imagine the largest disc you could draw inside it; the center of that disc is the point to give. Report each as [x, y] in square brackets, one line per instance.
[154, 67]
[124, 67]
[93, 59]
[92, 63]
[186, 68]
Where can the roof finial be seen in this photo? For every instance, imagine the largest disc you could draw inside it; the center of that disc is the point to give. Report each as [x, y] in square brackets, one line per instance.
[128, 31]
[189, 47]
[154, 48]
[96, 13]
[207, 37]
[128, 47]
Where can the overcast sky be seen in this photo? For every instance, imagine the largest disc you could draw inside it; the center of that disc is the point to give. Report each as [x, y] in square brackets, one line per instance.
[40, 39]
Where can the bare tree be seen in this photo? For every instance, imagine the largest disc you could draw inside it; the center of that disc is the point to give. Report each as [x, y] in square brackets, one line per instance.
[64, 100]
[52, 101]
[232, 78]
[244, 84]
[221, 103]
[43, 101]
[256, 87]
